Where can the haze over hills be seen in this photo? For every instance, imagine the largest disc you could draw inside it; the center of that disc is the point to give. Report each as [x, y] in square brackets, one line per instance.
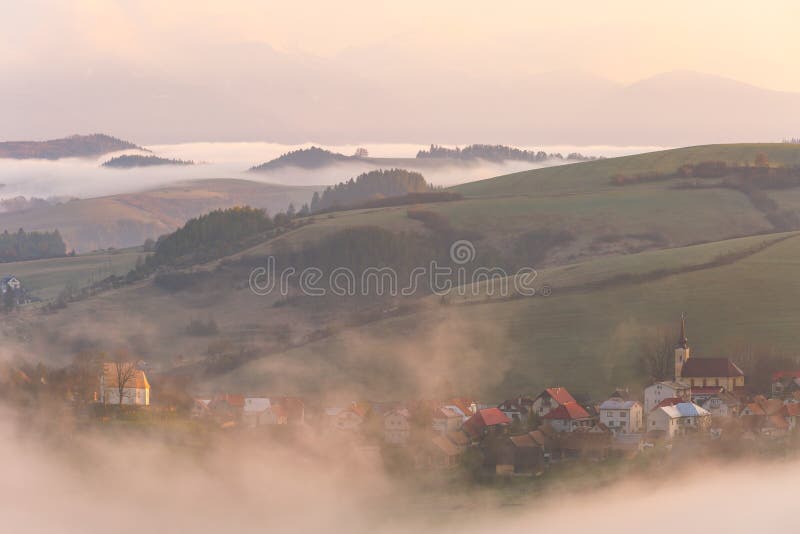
[335, 101]
[595, 243]
[128, 219]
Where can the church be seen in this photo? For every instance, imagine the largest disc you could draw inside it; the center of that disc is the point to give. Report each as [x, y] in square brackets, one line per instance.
[705, 372]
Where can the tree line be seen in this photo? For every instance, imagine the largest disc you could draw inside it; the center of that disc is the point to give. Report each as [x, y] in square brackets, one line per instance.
[369, 186]
[22, 245]
[497, 153]
[212, 235]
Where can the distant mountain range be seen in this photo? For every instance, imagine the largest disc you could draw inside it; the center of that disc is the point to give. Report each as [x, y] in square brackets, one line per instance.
[68, 147]
[272, 97]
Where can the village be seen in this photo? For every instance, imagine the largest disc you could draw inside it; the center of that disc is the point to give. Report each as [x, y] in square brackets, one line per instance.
[705, 406]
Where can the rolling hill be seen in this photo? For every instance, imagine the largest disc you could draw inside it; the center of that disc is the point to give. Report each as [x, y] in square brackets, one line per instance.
[75, 146]
[640, 255]
[128, 219]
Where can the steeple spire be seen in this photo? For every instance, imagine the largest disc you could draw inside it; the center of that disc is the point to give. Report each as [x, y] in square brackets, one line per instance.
[682, 341]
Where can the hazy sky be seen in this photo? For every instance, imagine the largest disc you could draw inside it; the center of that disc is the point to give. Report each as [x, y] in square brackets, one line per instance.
[517, 72]
[623, 40]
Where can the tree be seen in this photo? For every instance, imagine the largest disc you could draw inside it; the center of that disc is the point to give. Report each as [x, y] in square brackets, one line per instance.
[657, 361]
[761, 160]
[82, 375]
[124, 372]
[149, 245]
[361, 152]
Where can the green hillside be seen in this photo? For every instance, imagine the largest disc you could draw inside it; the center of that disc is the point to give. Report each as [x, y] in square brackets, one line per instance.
[586, 335]
[47, 278]
[594, 175]
[579, 199]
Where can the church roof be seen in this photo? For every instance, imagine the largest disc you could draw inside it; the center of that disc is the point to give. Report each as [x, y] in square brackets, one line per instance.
[710, 367]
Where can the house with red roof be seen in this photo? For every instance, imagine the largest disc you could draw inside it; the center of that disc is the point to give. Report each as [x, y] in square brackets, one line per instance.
[785, 383]
[489, 421]
[550, 399]
[569, 417]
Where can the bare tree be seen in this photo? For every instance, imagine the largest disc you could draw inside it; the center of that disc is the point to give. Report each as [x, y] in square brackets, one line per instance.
[658, 355]
[124, 372]
[83, 374]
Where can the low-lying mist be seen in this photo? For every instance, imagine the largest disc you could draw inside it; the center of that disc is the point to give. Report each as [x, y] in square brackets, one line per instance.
[101, 480]
[73, 177]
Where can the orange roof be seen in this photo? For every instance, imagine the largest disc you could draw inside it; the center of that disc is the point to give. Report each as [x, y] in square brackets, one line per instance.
[755, 409]
[669, 401]
[560, 395]
[570, 410]
[524, 440]
[493, 416]
[785, 374]
[233, 400]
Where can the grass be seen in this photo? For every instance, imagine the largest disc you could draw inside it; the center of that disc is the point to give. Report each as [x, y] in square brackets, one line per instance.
[578, 198]
[586, 339]
[595, 175]
[46, 278]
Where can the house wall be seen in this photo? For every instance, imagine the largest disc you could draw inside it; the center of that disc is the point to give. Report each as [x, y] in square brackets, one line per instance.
[443, 425]
[656, 393]
[396, 429]
[130, 396]
[623, 421]
[727, 382]
[660, 420]
[542, 405]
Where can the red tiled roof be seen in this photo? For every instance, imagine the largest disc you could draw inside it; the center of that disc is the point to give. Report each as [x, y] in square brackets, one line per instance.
[560, 395]
[233, 400]
[705, 367]
[785, 374]
[755, 409]
[493, 416]
[524, 440]
[669, 401]
[570, 410]
[484, 418]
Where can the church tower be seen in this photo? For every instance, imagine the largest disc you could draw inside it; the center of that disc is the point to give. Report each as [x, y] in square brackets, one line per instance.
[682, 350]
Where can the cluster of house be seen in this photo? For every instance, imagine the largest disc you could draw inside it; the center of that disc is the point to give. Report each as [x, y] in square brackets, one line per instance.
[706, 399]
[233, 410]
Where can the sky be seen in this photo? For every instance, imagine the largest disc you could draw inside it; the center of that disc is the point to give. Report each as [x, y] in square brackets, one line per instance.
[747, 41]
[347, 55]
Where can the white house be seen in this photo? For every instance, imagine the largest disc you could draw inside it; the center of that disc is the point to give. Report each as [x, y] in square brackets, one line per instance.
[349, 419]
[9, 283]
[259, 411]
[447, 419]
[396, 426]
[655, 393]
[621, 416]
[135, 387]
[679, 419]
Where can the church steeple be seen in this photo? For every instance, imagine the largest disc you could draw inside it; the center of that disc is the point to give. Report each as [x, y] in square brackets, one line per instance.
[683, 342]
[682, 351]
